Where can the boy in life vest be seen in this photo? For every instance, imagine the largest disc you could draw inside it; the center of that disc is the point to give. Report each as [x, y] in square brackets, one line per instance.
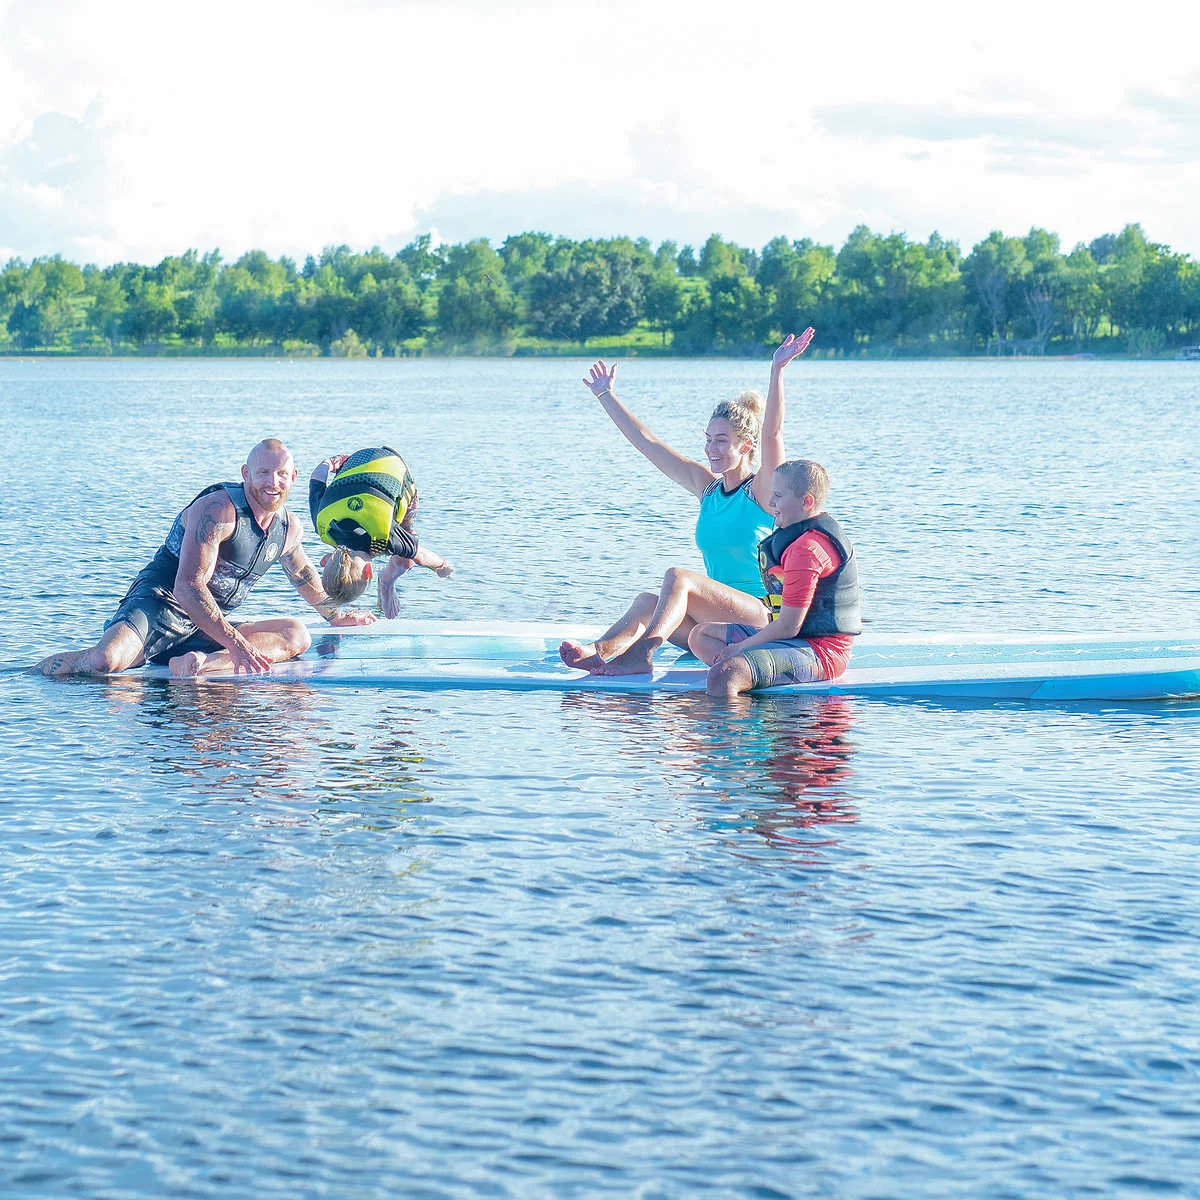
[364, 504]
[810, 580]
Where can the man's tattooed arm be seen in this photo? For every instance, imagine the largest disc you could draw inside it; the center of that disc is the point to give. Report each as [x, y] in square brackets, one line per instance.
[298, 567]
[307, 582]
[208, 522]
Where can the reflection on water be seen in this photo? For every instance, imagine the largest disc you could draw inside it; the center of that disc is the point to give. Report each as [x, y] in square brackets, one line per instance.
[780, 764]
[808, 764]
[289, 745]
[279, 941]
[327, 646]
[489, 919]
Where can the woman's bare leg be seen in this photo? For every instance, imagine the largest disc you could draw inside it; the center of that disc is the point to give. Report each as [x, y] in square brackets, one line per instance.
[627, 628]
[687, 599]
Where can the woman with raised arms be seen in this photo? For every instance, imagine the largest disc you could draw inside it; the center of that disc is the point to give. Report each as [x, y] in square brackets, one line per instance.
[733, 520]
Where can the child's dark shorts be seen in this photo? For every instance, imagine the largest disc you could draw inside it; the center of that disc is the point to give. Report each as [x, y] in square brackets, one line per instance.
[790, 660]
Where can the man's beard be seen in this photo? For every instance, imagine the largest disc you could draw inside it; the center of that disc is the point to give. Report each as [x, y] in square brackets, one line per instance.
[272, 504]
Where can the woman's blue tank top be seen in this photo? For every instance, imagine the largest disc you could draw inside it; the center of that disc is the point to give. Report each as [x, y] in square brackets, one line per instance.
[728, 530]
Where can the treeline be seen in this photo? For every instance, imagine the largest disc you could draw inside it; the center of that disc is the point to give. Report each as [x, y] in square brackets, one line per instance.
[877, 295]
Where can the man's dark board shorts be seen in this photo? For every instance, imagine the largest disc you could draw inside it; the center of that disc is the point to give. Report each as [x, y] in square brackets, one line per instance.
[165, 629]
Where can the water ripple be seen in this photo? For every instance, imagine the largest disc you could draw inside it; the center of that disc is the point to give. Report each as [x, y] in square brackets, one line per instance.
[487, 944]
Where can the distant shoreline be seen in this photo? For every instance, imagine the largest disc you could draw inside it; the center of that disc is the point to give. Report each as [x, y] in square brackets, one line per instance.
[581, 355]
[877, 298]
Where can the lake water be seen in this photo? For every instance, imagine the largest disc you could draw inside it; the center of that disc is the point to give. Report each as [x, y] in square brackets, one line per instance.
[344, 944]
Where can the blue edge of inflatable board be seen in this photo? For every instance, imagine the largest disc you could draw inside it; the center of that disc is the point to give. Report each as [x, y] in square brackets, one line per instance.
[524, 656]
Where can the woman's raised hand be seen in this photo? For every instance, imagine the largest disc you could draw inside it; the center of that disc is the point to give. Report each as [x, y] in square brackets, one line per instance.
[792, 347]
[600, 378]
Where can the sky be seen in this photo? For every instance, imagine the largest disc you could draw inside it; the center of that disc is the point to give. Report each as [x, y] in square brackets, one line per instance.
[134, 129]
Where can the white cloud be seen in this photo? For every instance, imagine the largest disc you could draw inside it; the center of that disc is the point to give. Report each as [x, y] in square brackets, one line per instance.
[55, 190]
[288, 126]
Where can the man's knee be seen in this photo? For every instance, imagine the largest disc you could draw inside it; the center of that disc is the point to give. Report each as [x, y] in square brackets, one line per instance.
[297, 637]
[729, 678]
[119, 649]
[303, 639]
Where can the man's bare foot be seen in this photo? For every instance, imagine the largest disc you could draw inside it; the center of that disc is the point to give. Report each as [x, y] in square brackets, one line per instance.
[57, 664]
[637, 660]
[577, 655]
[187, 666]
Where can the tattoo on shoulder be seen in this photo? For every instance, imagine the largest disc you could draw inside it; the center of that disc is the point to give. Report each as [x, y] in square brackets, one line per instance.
[206, 528]
[207, 523]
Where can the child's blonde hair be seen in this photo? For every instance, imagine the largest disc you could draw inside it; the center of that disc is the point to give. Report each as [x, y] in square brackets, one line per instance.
[803, 475]
[337, 579]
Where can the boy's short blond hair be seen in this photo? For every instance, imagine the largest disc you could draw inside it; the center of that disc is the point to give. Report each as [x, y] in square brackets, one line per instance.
[337, 579]
[802, 475]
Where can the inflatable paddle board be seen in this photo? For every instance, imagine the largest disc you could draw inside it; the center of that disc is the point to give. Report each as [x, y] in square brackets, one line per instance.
[523, 655]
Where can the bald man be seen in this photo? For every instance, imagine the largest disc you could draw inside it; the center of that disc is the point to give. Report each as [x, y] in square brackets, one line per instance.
[220, 545]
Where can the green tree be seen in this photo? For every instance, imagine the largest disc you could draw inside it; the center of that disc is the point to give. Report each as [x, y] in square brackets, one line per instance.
[694, 330]
[720, 259]
[666, 258]
[193, 282]
[894, 292]
[475, 312]
[251, 293]
[150, 310]
[474, 302]
[795, 278]
[728, 314]
[1082, 297]
[664, 300]
[422, 260]
[322, 312]
[994, 271]
[349, 345]
[524, 256]
[12, 287]
[106, 311]
[49, 305]
[739, 315]
[387, 312]
[1043, 287]
[1122, 276]
[595, 291]
[1152, 293]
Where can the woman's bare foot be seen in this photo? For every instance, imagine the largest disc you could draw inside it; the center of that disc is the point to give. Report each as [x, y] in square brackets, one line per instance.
[637, 660]
[579, 656]
[186, 666]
